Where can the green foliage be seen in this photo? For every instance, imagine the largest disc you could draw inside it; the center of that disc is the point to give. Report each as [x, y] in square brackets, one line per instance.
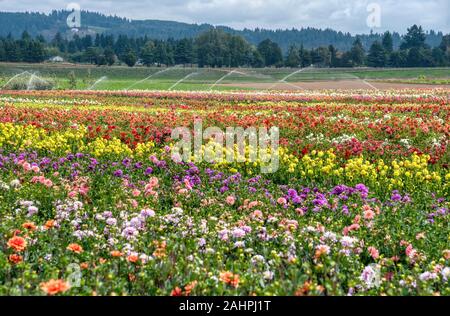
[357, 53]
[271, 53]
[218, 48]
[415, 38]
[305, 57]
[130, 58]
[148, 54]
[184, 52]
[16, 23]
[377, 55]
[398, 59]
[72, 80]
[388, 42]
[293, 58]
[110, 56]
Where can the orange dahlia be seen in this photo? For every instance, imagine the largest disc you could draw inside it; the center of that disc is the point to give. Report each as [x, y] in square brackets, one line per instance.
[116, 253]
[15, 258]
[133, 258]
[29, 226]
[229, 278]
[53, 287]
[49, 224]
[75, 248]
[17, 243]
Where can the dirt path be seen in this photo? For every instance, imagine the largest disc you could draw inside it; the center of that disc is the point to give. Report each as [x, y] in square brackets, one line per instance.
[337, 84]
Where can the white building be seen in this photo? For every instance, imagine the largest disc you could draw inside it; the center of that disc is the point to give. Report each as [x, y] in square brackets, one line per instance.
[56, 59]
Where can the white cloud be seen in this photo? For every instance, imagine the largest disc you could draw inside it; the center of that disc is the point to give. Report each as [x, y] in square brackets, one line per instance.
[344, 15]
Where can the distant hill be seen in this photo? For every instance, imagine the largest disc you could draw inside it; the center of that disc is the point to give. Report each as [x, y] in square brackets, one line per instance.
[49, 24]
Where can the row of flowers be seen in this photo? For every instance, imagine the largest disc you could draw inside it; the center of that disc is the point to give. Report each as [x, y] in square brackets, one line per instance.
[376, 129]
[156, 227]
[314, 167]
[93, 203]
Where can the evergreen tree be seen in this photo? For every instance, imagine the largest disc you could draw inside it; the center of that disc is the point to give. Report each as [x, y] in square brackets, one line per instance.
[170, 51]
[377, 55]
[323, 57]
[426, 58]
[184, 52]
[129, 58]
[398, 59]
[97, 41]
[72, 47]
[346, 60]
[257, 59]
[87, 41]
[305, 57]
[58, 42]
[212, 48]
[333, 56]
[148, 54]
[445, 47]
[122, 46]
[414, 57]
[357, 53]
[161, 54]
[445, 43]
[110, 57]
[91, 54]
[388, 43]
[271, 53]
[414, 38]
[293, 58]
[36, 52]
[239, 51]
[12, 50]
[26, 36]
[2, 51]
[438, 57]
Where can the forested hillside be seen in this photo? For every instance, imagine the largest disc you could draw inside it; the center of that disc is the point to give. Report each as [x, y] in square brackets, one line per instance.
[93, 23]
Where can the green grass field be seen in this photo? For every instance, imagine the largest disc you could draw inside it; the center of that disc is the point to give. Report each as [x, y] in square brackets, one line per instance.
[187, 78]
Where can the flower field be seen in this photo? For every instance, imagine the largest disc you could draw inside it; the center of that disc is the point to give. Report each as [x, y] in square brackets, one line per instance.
[92, 203]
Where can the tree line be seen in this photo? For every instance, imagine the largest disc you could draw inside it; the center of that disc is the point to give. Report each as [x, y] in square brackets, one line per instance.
[49, 24]
[216, 48]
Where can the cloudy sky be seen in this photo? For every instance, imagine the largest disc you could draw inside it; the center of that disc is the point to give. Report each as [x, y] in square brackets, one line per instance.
[345, 15]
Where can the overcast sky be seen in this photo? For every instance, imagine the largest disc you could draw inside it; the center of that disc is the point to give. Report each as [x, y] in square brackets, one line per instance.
[345, 15]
